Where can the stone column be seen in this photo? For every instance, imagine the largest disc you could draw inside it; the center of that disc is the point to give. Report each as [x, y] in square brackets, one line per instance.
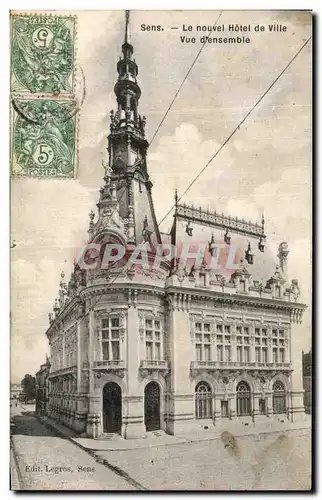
[82, 373]
[181, 415]
[296, 410]
[234, 345]
[133, 411]
[94, 409]
[232, 406]
[269, 400]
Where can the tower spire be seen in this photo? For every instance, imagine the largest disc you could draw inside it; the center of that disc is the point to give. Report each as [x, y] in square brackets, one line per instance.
[127, 27]
[127, 148]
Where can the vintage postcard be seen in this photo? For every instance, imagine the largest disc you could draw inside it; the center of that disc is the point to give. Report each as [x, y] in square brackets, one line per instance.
[161, 166]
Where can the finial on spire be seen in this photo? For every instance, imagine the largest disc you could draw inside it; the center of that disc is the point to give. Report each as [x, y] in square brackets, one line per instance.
[127, 27]
[176, 197]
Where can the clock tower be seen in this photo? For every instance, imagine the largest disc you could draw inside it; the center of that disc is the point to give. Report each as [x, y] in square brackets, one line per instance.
[127, 148]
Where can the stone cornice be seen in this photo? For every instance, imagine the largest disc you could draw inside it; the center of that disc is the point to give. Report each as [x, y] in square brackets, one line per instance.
[108, 289]
[221, 297]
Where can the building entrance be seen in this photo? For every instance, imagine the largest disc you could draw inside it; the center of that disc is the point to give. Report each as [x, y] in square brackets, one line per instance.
[152, 406]
[112, 408]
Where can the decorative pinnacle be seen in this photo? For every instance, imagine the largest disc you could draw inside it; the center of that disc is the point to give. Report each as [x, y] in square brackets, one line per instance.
[62, 275]
[176, 197]
[127, 25]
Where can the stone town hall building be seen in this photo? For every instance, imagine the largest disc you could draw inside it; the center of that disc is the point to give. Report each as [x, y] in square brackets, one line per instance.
[175, 348]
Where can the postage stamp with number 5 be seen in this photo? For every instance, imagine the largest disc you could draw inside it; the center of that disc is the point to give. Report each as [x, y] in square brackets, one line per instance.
[43, 138]
[42, 53]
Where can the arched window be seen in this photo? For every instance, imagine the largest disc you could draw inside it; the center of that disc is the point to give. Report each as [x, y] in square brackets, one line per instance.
[203, 399]
[243, 399]
[279, 397]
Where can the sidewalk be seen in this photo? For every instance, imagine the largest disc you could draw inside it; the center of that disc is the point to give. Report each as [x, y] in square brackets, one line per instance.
[260, 430]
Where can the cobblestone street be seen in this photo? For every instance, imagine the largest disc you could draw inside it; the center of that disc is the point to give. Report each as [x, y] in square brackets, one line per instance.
[44, 461]
[273, 461]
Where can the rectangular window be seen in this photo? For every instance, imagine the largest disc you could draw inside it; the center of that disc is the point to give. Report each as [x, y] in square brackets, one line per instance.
[110, 337]
[105, 350]
[257, 355]
[203, 341]
[219, 329]
[239, 354]
[246, 354]
[264, 353]
[227, 353]
[278, 291]
[219, 353]
[116, 350]
[207, 352]
[153, 339]
[274, 355]
[157, 353]
[282, 356]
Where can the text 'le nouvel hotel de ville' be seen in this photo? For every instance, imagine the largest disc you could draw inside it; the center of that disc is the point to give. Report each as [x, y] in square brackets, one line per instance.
[171, 348]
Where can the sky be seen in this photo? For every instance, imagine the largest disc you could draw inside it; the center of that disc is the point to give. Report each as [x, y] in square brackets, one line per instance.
[264, 167]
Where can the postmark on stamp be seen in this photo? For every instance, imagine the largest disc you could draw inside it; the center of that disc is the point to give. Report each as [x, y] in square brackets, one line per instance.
[42, 53]
[43, 138]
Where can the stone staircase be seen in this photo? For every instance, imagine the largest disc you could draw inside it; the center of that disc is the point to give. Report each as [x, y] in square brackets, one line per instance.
[109, 436]
[157, 433]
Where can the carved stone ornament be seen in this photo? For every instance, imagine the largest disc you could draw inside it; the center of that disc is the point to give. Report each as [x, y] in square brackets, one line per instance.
[141, 325]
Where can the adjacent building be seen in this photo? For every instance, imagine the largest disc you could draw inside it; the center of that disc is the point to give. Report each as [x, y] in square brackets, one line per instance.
[170, 347]
[42, 384]
[307, 380]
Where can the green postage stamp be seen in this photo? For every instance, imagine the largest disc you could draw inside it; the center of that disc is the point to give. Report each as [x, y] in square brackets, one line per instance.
[43, 102]
[43, 138]
[42, 53]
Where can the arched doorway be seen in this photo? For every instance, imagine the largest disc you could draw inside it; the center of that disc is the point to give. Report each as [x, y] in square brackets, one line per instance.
[203, 400]
[112, 408]
[279, 397]
[152, 406]
[243, 399]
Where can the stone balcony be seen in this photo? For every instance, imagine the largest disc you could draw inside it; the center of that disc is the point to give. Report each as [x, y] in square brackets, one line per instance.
[197, 366]
[115, 366]
[148, 366]
[63, 371]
